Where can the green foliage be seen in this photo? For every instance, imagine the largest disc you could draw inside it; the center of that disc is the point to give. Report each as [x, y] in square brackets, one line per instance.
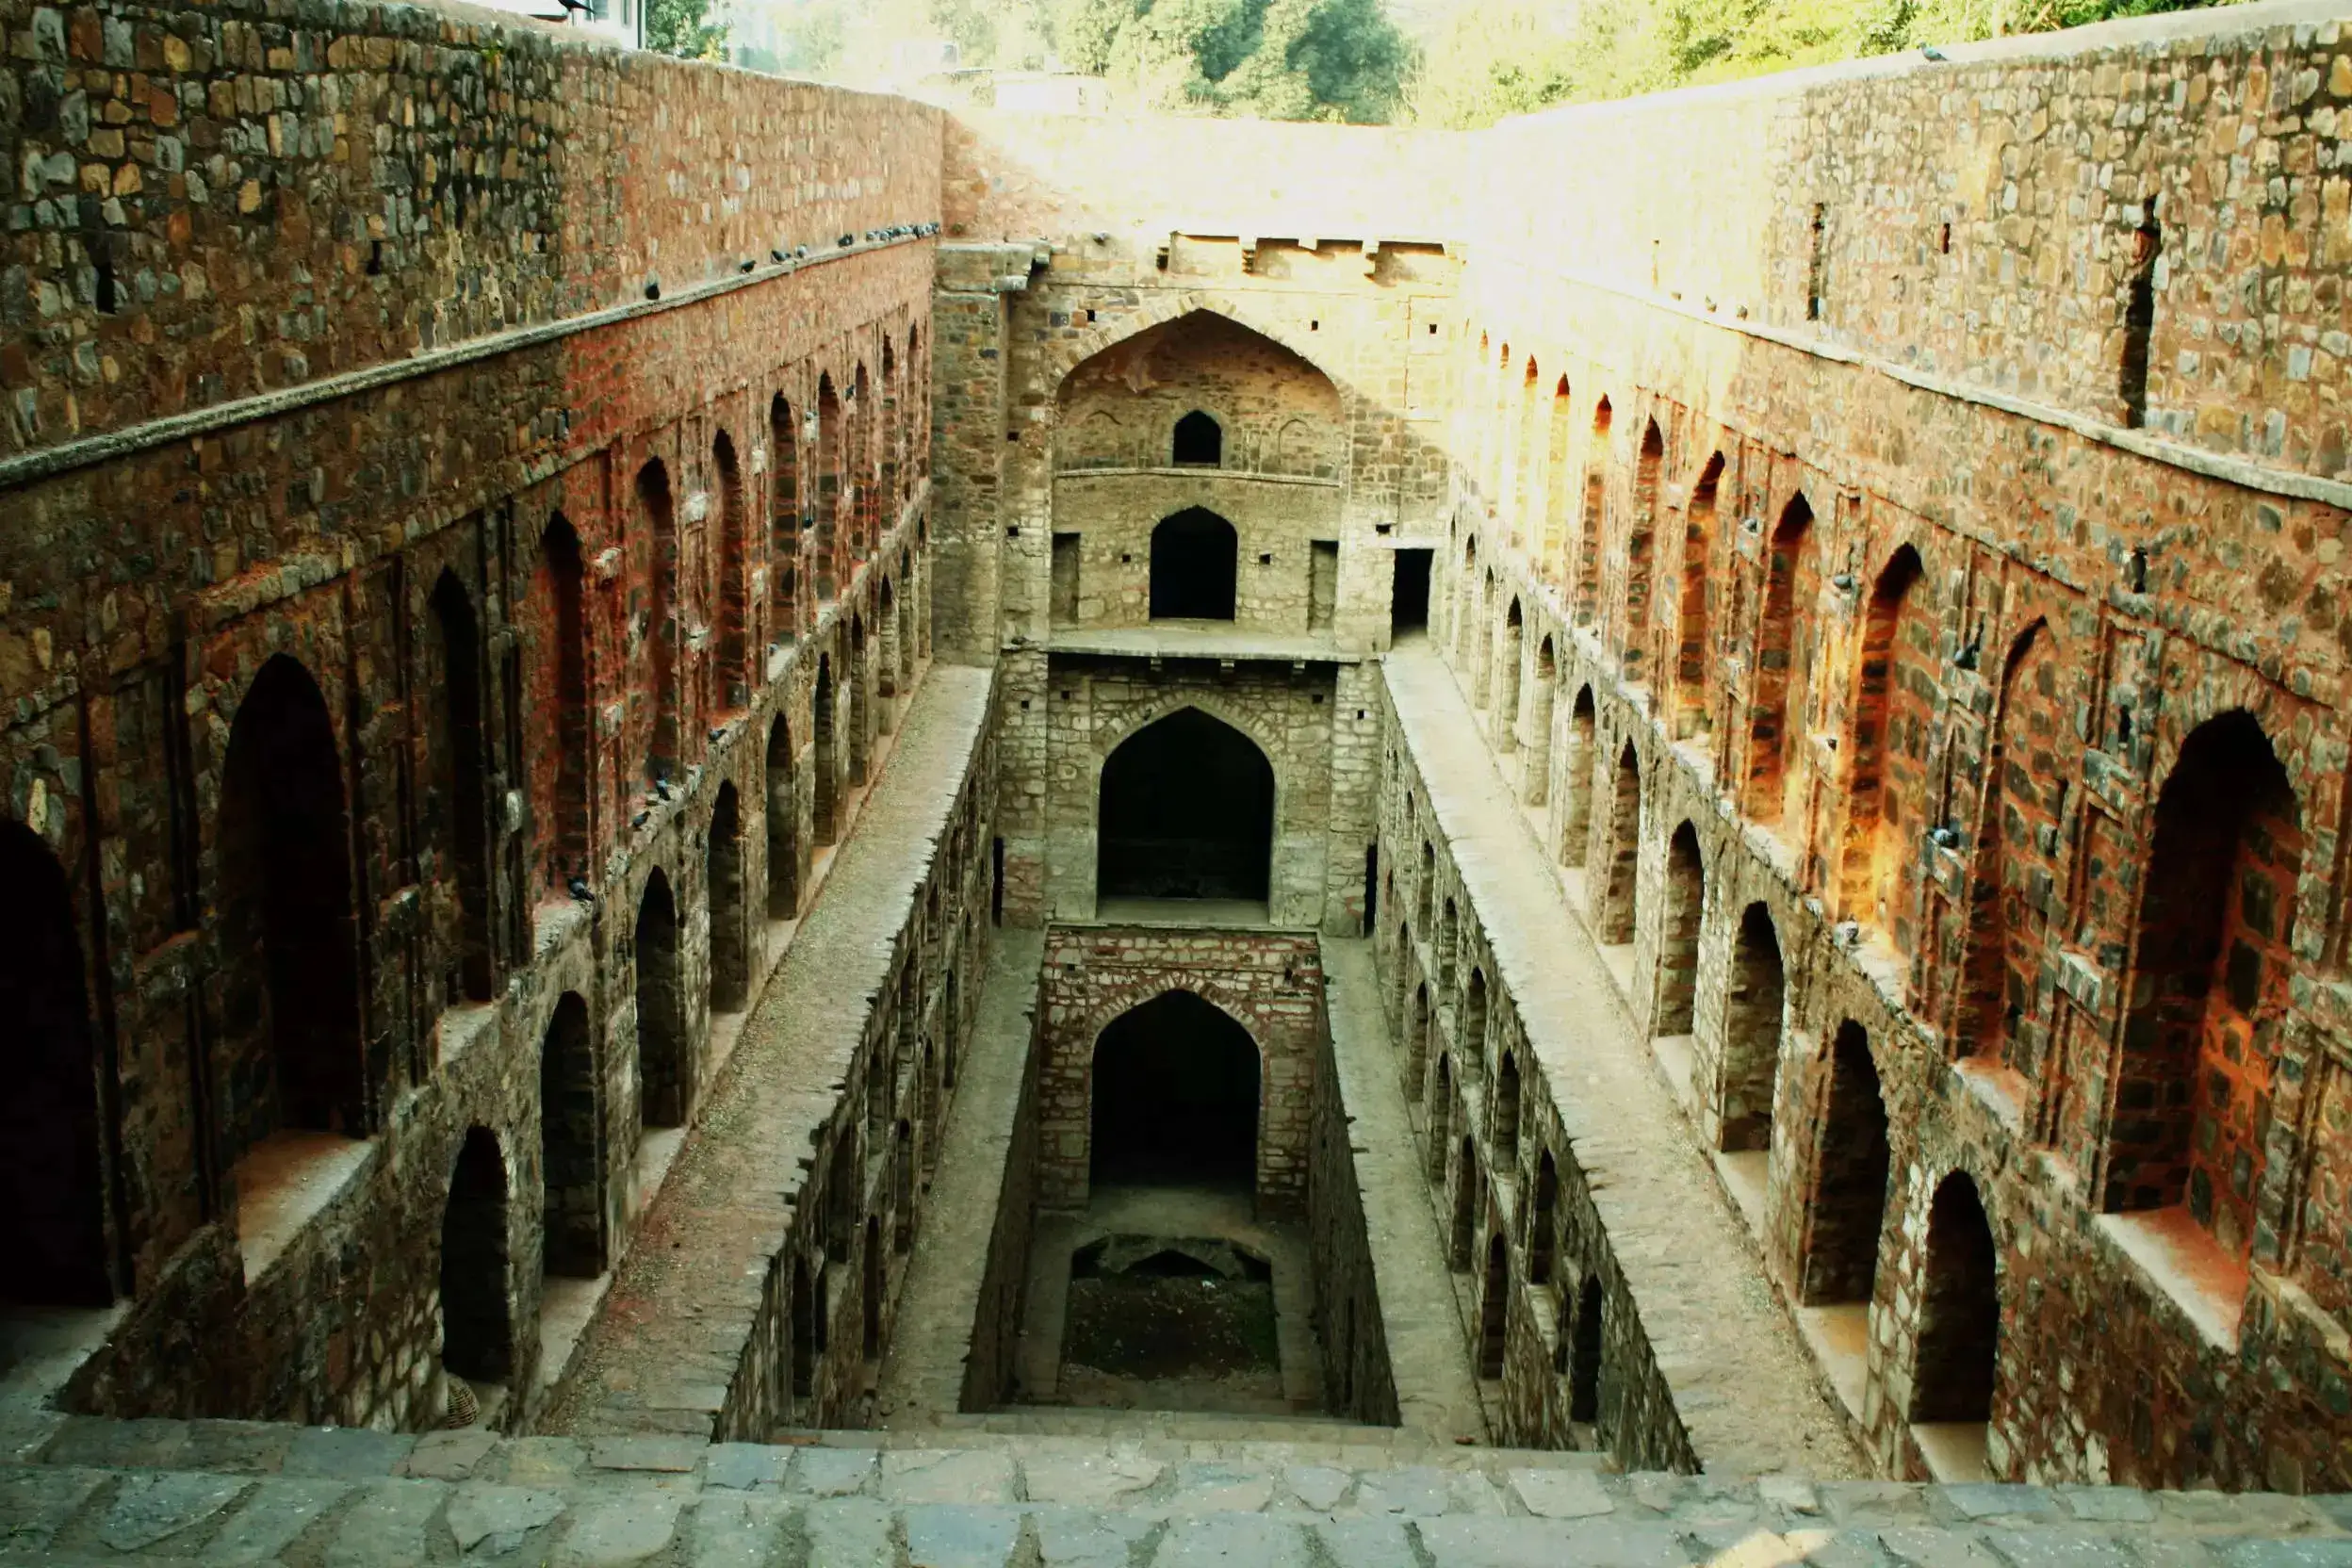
[1282, 59]
[1498, 57]
[683, 27]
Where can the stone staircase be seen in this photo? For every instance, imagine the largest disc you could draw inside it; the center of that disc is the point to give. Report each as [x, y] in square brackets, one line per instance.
[1158, 1492]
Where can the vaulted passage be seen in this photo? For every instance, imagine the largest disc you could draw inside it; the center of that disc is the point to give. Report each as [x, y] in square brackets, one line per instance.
[2216, 924]
[51, 1231]
[662, 1042]
[1194, 556]
[1188, 812]
[1752, 1025]
[573, 1199]
[1850, 1197]
[1959, 1338]
[288, 933]
[476, 1333]
[1175, 1097]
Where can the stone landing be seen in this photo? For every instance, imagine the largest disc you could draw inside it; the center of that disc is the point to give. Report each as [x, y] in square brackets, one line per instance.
[78, 1491]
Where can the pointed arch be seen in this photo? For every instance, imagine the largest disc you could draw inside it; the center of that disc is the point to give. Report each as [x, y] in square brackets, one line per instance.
[2002, 1010]
[723, 891]
[288, 925]
[53, 1223]
[783, 821]
[477, 1322]
[1691, 654]
[1579, 762]
[664, 758]
[1754, 1018]
[1509, 658]
[1173, 1096]
[1620, 888]
[560, 756]
[1493, 1306]
[784, 503]
[825, 813]
[461, 772]
[1585, 592]
[1560, 485]
[571, 1146]
[827, 511]
[1678, 934]
[1536, 773]
[2211, 962]
[1888, 727]
[1849, 1207]
[1196, 560]
[1958, 1345]
[733, 677]
[1641, 525]
[1185, 809]
[664, 1063]
[1776, 707]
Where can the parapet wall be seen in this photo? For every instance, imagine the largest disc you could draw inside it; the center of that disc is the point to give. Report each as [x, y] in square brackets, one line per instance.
[1982, 220]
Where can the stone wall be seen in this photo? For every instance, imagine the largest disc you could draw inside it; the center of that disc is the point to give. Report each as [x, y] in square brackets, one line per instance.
[1858, 654]
[1269, 983]
[401, 449]
[1567, 1357]
[992, 1364]
[1358, 1382]
[855, 1205]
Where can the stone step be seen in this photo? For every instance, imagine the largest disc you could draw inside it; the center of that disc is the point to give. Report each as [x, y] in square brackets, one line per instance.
[159, 1492]
[1182, 1426]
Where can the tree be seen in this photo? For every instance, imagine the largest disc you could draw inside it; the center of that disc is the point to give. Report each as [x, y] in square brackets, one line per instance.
[683, 27]
[1283, 59]
[1496, 58]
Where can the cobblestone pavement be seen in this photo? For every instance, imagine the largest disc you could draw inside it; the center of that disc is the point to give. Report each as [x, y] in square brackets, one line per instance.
[922, 1371]
[662, 1355]
[1429, 1345]
[224, 1492]
[1749, 1398]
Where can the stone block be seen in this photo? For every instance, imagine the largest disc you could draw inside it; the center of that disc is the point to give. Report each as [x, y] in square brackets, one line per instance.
[611, 1532]
[493, 1521]
[347, 1453]
[1486, 1543]
[1229, 1541]
[948, 1476]
[280, 1510]
[950, 1535]
[149, 1507]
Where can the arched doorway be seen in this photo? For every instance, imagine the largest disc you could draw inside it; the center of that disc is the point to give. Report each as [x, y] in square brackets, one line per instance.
[783, 821]
[477, 1332]
[1752, 1028]
[1959, 1338]
[52, 1222]
[1850, 1192]
[723, 889]
[662, 1064]
[572, 1200]
[1188, 812]
[1195, 555]
[826, 785]
[287, 928]
[1175, 1097]
[460, 772]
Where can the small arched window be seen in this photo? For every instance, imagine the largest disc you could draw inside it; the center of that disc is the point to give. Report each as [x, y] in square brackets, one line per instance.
[1200, 441]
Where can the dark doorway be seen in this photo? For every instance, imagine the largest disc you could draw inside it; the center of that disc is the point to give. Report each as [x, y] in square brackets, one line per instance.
[1494, 1304]
[1198, 440]
[1584, 1358]
[825, 785]
[783, 821]
[52, 1226]
[661, 1009]
[287, 928]
[1959, 1310]
[1409, 595]
[1194, 557]
[1188, 812]
[723, 889]
[1175, 1097]
[572, 1204]
[1849, 1198]
[476, 1337]
[1371, 887]
[466, 825]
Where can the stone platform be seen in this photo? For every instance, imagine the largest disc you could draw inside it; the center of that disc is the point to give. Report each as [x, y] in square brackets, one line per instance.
[80, 1490]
